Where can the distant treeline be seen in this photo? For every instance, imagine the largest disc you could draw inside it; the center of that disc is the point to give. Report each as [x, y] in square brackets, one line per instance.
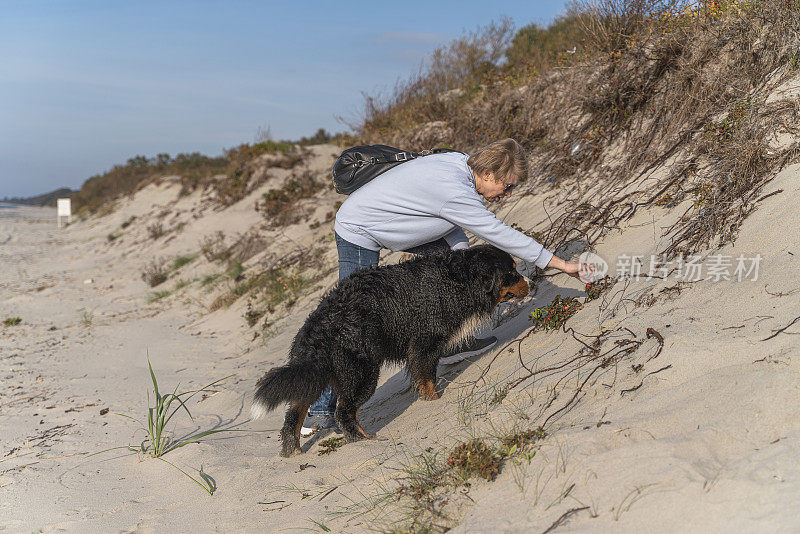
[47, 199]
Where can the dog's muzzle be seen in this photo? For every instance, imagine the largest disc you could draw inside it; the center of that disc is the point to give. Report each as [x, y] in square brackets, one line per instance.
[518, 290]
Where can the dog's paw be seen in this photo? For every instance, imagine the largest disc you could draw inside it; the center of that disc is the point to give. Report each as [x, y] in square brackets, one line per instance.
[427, 390]
[429, 394]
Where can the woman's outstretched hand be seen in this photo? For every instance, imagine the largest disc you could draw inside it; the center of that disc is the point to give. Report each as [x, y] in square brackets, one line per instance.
[582, 271]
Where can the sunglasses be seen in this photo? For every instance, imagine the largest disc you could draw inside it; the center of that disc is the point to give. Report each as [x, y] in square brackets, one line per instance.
[507, 188]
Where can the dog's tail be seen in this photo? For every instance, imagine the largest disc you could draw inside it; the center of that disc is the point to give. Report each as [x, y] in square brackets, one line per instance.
[299, 381]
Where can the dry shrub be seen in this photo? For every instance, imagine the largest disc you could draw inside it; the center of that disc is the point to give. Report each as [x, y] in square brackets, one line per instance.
[279, 206]
[279, 284]
[460, 66]
[519, 440]
[222, 301]
[138, 171]
[233, 187]
[213, 247]
[195, 171]
[155, 230]
[155, 273]
[247, 246]
[248, 170]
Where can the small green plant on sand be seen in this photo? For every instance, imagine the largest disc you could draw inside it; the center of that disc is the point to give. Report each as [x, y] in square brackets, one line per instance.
[516, 443]
[475, 458]
[209, 279]
[86, 318]
[428, 482]
[554, 315]
[12, 321]
[159, 415]
[235, 270]
[159, 441]
[598, 287]
[330, 445]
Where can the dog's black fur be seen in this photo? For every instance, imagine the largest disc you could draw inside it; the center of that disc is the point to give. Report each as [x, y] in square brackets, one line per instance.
[411, 313]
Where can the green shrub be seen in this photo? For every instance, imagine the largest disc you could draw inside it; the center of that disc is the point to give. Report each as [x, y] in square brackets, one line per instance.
[554, 315]
[475, 458]
[235, 270]
[536, 49]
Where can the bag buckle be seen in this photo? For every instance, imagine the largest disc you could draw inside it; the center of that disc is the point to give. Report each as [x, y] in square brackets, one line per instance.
[399, 158]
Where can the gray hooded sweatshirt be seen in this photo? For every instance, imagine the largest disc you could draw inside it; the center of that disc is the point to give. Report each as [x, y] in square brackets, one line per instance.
[423, 200]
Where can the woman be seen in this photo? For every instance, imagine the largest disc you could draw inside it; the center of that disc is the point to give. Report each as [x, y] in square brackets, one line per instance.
[423, 206]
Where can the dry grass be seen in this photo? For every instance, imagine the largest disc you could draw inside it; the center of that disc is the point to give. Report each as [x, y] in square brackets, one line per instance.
[650, 83]
[280, 283]
[213, 247]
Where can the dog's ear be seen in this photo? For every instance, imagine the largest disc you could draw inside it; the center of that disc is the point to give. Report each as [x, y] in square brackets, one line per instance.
[484, 271]
[492, 283]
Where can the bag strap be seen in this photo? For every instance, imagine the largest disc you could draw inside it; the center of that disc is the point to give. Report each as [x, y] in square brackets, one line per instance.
[402, 156]
[396, 158]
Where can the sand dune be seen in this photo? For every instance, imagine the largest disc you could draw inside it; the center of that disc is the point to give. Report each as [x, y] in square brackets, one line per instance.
[700, 434]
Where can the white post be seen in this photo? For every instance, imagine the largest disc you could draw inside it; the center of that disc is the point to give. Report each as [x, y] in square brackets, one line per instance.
[63, 209]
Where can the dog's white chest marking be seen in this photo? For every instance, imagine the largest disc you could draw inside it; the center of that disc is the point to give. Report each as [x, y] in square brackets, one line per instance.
[467, 330]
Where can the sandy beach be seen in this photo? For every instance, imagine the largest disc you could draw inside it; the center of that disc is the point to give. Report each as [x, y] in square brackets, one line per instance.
[694, 428]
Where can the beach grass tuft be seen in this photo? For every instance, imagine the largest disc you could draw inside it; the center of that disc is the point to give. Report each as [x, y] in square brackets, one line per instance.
[86, 318]
[180, 261]
[158, 443]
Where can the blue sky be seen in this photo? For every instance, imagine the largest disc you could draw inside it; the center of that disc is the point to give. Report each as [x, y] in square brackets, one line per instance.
[86, 85]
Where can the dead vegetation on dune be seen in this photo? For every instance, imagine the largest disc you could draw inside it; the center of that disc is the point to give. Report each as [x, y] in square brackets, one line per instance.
[646, 86]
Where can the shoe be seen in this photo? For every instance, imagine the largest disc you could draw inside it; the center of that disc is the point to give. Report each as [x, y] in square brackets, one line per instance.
[470, 348]
[315, 423]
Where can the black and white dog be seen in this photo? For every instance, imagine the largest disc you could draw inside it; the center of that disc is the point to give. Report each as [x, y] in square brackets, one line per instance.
[413, 313]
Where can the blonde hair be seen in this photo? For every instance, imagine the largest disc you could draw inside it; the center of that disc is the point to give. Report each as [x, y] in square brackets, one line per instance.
[505, 158]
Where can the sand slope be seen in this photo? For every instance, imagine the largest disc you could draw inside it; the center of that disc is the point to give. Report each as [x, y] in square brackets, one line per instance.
[703, 437]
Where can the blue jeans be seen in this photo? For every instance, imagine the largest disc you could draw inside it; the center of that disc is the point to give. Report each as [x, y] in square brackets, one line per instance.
[351, 259]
